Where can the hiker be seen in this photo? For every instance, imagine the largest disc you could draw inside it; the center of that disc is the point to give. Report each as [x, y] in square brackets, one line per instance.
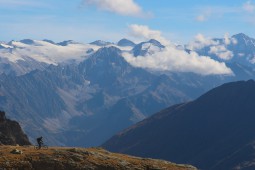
[40, 142]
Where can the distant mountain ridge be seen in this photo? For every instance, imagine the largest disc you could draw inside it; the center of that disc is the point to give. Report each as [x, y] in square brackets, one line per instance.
[82, 94]
[214, 131]
[125, 42]
[240, 45]
[149, 47]
[86, 101]
[21, 57]
[101, 43]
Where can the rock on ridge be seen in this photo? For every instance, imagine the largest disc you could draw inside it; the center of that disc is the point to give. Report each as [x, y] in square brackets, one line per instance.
[11, 132]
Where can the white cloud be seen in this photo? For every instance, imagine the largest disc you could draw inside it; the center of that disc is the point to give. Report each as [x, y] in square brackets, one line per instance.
[234, 41]
[204, 16]
[216, 48]
[144, 32]
[222, 52]
[122, 7]
[229, 40]
[241, 54]
[201, 18]
[205, 13]
[172, 58]
[249, 6]
[253, 60]
[200, 42]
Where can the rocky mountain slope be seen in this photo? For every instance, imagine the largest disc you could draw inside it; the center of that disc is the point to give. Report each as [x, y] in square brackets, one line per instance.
[216, 131]
[81, 94]
[56, 158]
[11, 132]
[85, 104]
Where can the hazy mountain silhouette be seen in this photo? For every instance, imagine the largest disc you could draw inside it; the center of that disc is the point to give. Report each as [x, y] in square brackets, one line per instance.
[101, 43]
[125, 42]
[216, 131]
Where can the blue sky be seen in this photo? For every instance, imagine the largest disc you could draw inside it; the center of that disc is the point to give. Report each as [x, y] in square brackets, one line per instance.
[87, 20]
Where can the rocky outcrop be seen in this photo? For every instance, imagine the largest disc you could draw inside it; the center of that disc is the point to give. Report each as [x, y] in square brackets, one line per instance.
[11, 132]
[56, 158]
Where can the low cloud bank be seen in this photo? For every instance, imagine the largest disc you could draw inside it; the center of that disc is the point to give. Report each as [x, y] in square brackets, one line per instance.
[173, 58]
[217, 48]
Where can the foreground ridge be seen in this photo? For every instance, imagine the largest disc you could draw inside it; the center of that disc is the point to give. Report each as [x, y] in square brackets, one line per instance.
[59, 158]
[215, 131]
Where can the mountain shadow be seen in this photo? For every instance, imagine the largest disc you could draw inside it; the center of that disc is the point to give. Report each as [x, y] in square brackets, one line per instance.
[214, 132]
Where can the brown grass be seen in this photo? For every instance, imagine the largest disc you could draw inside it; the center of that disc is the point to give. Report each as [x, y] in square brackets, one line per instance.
[78, 158]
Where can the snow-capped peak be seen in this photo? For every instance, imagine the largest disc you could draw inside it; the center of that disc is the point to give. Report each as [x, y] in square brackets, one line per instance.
[5, 45]
[66, 43]
[101, 43]
[147, 48]
[39, 53]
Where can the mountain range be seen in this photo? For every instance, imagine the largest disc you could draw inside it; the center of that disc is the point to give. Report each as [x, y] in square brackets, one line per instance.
[79, 94]
[213, 132]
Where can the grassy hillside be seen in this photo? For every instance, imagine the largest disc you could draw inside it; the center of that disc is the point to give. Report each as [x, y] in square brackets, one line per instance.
[60, 158]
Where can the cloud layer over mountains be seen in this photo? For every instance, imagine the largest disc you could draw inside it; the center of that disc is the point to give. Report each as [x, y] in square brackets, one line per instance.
[216, 48]
[165, 57]
[174, 58]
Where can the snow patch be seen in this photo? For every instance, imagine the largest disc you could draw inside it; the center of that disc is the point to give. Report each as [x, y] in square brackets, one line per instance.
[6, 46]
[71, 99]
[53, 124]
[49, 53]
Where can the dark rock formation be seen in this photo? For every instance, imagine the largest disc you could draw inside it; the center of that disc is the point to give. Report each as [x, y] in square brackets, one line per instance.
[11, 132]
